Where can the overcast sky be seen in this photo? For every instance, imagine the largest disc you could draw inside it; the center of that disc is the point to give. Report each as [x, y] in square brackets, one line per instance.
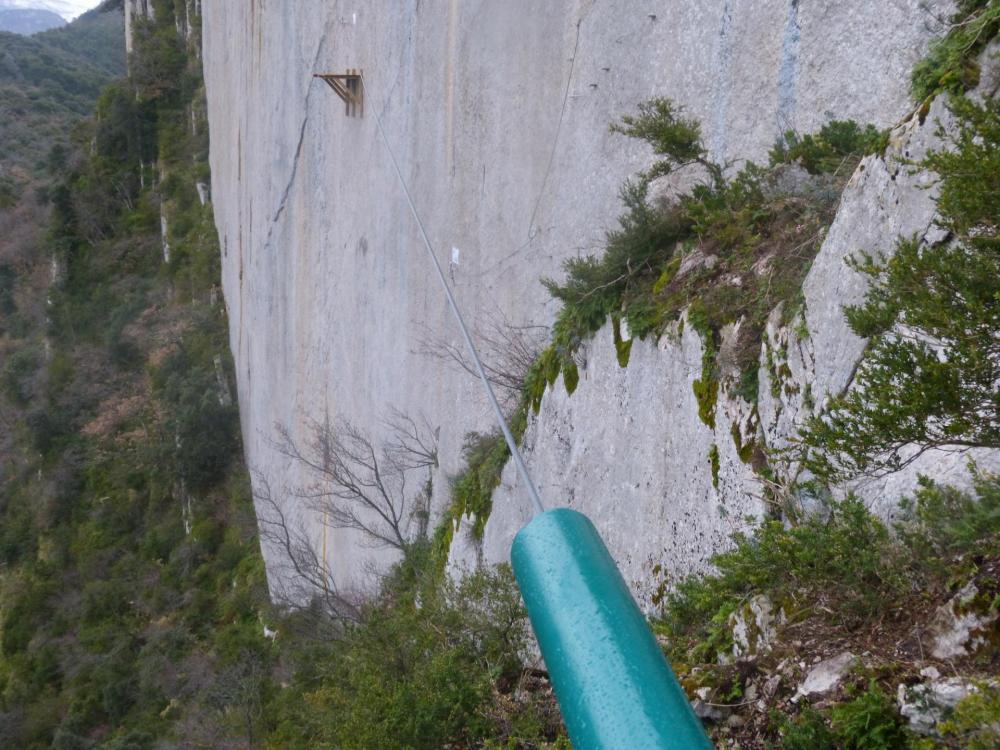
[68, 9]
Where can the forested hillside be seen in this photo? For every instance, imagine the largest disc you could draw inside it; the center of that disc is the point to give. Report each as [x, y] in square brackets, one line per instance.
[130, 584]
[49, 81]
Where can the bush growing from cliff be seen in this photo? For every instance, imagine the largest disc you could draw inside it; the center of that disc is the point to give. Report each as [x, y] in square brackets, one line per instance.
[941, 523]
[420, 671]
[847, 565]
[636, 251]
[929, 378]
[835, 147]
[745, 244]
[675, 138]
[951, 64]
[472, 490]
[158, 63]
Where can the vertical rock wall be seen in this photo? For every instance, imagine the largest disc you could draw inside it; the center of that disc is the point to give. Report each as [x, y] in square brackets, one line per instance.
[498, 113]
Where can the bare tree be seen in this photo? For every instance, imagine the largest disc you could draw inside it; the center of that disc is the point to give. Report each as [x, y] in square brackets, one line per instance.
[358, 485]
[354, 485]
[302, 577]
[507, 350]
[411, 445]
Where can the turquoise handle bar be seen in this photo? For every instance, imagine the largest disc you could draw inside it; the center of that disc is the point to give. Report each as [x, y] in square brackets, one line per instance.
[614, 686]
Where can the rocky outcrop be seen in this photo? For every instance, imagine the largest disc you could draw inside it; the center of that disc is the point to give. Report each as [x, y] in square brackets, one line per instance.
[826, 675]
[629, 450]
[927, 703]
[966, 623]
[499, 116]
[754, 627]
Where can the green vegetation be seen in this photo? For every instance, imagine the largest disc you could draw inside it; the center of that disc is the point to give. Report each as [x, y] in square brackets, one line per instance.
[730, 250]
[929, 378]
[673, 137]
[487, 454]
[713, 461]
[472, 491]
[706, 388]
[131, 587]
[807, 731]
[50, 80]
[974, 723]
[424, 669]
[952, 66]
[846, 574]
[832, 149]
[869, 721]
[847, 565]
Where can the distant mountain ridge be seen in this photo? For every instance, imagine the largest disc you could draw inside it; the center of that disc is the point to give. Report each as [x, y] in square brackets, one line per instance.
[51, 79]
[28, 20]
[65, 9]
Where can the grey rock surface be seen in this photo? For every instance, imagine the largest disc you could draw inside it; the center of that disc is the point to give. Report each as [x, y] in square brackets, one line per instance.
[754, 626]
[667, 190]
[629, 450]
[963, 625]
[825, 676]
[498, 114]
[989, 70]
[929, 702]
[881, 203]
[707, 711]
[815, 357]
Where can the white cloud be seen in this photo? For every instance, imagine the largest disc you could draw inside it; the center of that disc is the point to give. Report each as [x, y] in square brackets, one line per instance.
[68, 9]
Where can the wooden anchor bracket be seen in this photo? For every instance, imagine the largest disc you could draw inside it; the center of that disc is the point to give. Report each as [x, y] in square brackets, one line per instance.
[349, 88]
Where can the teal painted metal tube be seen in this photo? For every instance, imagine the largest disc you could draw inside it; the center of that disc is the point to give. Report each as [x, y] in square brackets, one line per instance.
[615, 688]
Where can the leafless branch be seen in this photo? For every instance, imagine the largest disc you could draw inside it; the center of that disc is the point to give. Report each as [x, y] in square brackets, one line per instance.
[411, 445]
[360, 486]
[302, 576]
[507, 350]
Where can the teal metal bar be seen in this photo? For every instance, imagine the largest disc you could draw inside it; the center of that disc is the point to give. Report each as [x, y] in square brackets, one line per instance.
[614, 686]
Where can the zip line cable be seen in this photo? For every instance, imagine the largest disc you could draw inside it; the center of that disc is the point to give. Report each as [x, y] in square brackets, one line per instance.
[515, 453]
[614, 686]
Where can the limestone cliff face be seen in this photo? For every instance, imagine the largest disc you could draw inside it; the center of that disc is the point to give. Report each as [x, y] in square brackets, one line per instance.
[499, 115]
